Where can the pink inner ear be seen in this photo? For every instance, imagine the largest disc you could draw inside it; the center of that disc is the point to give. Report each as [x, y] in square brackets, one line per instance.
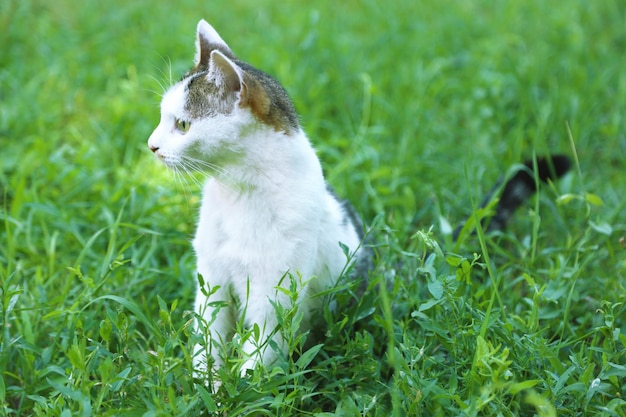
[207, 32]
[207, 41]
[225, 72]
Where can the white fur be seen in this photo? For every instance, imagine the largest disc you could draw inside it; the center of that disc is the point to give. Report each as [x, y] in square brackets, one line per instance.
[265, 212]
[281, 219]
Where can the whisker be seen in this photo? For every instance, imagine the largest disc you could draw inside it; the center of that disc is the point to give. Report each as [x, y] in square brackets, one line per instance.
[193, 171]
[190, 173]
[201, 166]
[165, 79]
[180, 179]
[169, 66]
[160, 84]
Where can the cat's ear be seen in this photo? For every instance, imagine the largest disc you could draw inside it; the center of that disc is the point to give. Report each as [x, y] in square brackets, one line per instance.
[224, 72]
[207, 41]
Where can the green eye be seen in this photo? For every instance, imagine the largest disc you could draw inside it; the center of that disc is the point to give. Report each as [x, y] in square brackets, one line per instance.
[182, 125]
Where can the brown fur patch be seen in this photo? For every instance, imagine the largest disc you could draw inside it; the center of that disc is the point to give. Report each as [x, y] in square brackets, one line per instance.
[268, 100]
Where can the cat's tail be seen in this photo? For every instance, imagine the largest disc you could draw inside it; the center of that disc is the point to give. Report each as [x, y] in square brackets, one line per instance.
[519, 188]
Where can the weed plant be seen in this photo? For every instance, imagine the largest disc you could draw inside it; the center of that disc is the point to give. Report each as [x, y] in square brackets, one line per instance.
[415, 108]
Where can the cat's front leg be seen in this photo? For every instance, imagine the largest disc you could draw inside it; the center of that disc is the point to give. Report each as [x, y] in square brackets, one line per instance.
[215, 324]
[265, 340]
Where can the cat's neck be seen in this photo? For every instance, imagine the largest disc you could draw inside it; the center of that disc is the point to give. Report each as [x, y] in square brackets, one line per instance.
[271, 163]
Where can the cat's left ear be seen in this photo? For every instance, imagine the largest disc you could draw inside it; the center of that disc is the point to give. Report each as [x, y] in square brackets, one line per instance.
[207, 41]
[225, 73]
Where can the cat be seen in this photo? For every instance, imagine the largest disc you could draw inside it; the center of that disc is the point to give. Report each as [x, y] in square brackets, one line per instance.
[266, 209]
[267, 217]
[513, 192]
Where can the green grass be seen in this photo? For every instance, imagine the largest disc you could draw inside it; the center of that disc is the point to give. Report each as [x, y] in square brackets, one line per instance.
[415, 108]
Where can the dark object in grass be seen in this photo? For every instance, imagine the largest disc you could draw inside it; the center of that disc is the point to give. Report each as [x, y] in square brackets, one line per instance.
[519, 188]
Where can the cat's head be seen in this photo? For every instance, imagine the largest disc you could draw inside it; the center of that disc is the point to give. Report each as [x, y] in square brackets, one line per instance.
[207, 114]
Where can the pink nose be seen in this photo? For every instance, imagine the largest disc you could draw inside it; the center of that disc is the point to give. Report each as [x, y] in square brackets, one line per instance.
[153, 148]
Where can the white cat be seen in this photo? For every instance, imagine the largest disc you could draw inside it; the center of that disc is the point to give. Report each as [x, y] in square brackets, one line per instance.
[266, 209]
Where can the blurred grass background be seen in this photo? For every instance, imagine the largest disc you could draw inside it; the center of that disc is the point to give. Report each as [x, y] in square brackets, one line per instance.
[416, 108]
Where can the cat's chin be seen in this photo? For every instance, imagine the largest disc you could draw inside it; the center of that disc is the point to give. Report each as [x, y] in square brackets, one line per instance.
[168, 160]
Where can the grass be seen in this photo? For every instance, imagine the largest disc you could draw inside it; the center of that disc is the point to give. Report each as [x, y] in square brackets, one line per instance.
[415, 108]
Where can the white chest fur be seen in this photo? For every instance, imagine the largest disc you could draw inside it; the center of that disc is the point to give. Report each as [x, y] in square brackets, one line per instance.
[282, 221]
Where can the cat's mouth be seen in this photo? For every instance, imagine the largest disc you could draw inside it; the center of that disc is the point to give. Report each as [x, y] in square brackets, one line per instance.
[162, 157]
[168, 160]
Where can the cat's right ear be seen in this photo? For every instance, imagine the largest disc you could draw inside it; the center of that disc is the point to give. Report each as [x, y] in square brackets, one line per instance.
[224, 72]
[207, 41]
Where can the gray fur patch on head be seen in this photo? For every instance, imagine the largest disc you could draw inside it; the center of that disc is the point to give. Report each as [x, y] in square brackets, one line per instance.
[205, 99]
